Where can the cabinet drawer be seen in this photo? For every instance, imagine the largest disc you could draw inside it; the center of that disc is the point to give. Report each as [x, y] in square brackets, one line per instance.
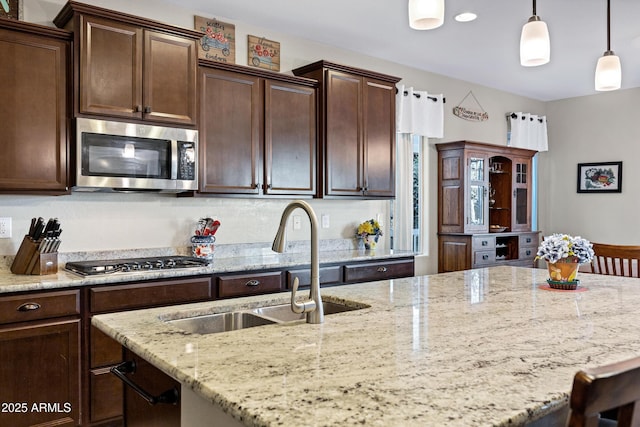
[104, 350]
[484, 257]
[124, 297]
[481, 243]
[528, 240]
[107, 395]
[328, 276]
[22, 308]
[528, 253]
[249, 284]
[378, 271]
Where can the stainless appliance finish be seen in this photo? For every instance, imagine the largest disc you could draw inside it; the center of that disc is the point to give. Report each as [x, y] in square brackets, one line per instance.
[128, 265]
[129, 156]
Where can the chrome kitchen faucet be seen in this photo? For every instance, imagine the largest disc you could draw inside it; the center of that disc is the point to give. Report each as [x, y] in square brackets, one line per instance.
[313, 306]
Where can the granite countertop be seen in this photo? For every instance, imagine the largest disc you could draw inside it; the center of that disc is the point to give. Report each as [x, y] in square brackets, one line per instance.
[234, 262]
[485, 347]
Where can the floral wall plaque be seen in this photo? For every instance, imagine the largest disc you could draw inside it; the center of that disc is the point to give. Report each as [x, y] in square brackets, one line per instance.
[11, 9]
[219, 42]
[264, 53]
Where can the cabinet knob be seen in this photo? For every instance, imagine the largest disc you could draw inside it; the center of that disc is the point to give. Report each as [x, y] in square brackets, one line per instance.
[29, 306]
[253, 283]
[528, 252]
[256, 185]
[485, 243]
[528, 239]
[137, 108]
[485, 257]
[147, 109]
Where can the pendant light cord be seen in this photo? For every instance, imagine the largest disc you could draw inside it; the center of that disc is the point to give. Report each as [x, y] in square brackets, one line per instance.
[608, 25]
[534, 8]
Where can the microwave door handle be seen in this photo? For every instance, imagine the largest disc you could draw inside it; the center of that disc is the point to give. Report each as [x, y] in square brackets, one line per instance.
[174, 159]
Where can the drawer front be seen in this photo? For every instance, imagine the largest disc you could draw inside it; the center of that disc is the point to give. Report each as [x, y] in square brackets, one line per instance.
[528, 253]
[484, 258]
[104, 350]
[45, 305]
[107, 395]
[481, 243]
[378, 271]
[249, 284]
[328, 276]
[141, 295]
[528, 240]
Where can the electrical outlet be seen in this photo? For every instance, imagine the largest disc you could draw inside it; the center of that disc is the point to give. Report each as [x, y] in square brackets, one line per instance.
[379, 219]
[297, 225]
[5, 228]
[325, 220]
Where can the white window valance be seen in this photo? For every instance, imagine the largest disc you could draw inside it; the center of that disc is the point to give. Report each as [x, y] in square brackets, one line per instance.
[528, 131]
[419, 113]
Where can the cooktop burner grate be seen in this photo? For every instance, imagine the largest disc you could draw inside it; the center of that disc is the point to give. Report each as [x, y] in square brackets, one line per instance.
[87, 268]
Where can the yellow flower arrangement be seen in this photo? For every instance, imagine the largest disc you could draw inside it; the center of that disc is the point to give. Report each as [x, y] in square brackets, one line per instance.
[368, 228]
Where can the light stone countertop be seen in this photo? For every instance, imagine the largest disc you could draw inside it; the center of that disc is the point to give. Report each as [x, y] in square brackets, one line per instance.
[260, 260]
[485, 347]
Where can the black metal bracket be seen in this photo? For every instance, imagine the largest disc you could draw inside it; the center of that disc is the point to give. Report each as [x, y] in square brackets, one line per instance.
[171, 396]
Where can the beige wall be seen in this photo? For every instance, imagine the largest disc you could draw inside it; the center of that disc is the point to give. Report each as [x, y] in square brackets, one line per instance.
[598, 128]
[107, 221]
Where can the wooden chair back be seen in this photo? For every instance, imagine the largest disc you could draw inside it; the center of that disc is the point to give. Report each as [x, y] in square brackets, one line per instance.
[616, 260]
[614, 386]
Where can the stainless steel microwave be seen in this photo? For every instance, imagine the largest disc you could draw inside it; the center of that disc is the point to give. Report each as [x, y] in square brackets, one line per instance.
[135, 157]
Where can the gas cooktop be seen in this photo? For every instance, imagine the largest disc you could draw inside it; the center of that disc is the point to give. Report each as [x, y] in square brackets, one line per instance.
[128, 265]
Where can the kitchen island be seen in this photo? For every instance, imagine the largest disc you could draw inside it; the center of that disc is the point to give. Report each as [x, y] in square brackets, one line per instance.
[470, 348]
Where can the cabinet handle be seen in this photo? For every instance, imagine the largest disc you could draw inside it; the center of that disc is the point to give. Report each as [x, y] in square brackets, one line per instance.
[485, 243]
[29, 306]
[256, 185]
[381, 269]
[528, 239]
[170, 396]
[137, 108]
[485, 257]
[253, 283]
[528, 252]
[147, 109]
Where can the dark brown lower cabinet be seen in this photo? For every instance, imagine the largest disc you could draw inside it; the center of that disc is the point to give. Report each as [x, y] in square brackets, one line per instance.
[138, 411]
[40, 374]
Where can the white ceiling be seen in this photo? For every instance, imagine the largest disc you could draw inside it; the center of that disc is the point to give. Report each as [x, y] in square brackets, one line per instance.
[485, 51]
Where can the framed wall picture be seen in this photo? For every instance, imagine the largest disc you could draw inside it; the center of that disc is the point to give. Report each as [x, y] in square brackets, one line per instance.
[264, 53]
[11, 9]
[219, 40]
[604, 177]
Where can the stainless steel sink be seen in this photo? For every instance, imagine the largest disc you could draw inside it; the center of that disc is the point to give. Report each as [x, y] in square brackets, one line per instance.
[221, 322]
[232, 321]
[283, 313]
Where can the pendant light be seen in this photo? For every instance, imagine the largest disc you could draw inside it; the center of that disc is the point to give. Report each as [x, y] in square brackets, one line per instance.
[608, 70]
[426, 14]
[535, 47]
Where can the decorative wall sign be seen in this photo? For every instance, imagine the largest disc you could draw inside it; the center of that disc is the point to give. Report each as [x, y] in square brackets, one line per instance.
[219, 42]
[605, 177]
[11, 9]
[264, 53]
[468, 113]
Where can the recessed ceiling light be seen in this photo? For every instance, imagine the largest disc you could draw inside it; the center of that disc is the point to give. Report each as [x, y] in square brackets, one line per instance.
[466, 17]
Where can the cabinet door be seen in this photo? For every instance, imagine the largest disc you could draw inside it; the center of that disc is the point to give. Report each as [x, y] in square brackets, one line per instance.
[110, 68]
[290, 139]
[477, 194]
[40, 366]
[34, 130]
[169, 78]
[379, 112]
[521, 202]
[230, 137]
[343, 139]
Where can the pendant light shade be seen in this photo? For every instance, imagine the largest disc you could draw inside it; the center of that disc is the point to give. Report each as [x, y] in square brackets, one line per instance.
[426, 14]
[608, 70]
[535, 46]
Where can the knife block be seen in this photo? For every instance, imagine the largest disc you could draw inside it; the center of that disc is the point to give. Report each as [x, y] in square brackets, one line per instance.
[29, 260]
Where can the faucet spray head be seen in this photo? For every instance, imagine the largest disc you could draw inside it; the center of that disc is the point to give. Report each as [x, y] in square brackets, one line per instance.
[280, 241]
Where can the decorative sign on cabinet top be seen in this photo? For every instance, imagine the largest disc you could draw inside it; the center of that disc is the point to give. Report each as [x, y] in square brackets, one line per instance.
[219, 41]
[264, 53]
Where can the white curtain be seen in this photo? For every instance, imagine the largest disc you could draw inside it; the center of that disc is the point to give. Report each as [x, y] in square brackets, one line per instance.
[403, 212]
[528, 131]
[419, 113]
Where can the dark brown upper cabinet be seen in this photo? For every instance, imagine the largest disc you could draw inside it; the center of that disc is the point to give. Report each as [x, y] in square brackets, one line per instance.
[258, 132]
[357, 130]
[35, 76]
[130, 67]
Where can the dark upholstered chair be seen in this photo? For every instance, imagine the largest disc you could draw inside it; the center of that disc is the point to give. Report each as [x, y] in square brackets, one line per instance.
[616, 260]
[615, 386]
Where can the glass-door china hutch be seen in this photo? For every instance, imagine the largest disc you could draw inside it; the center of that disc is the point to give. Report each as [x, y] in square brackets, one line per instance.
[484, 206]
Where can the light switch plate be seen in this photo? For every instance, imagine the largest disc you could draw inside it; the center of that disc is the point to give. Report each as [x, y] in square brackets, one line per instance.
[325, 220]
[5, 228]
[297, 225]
